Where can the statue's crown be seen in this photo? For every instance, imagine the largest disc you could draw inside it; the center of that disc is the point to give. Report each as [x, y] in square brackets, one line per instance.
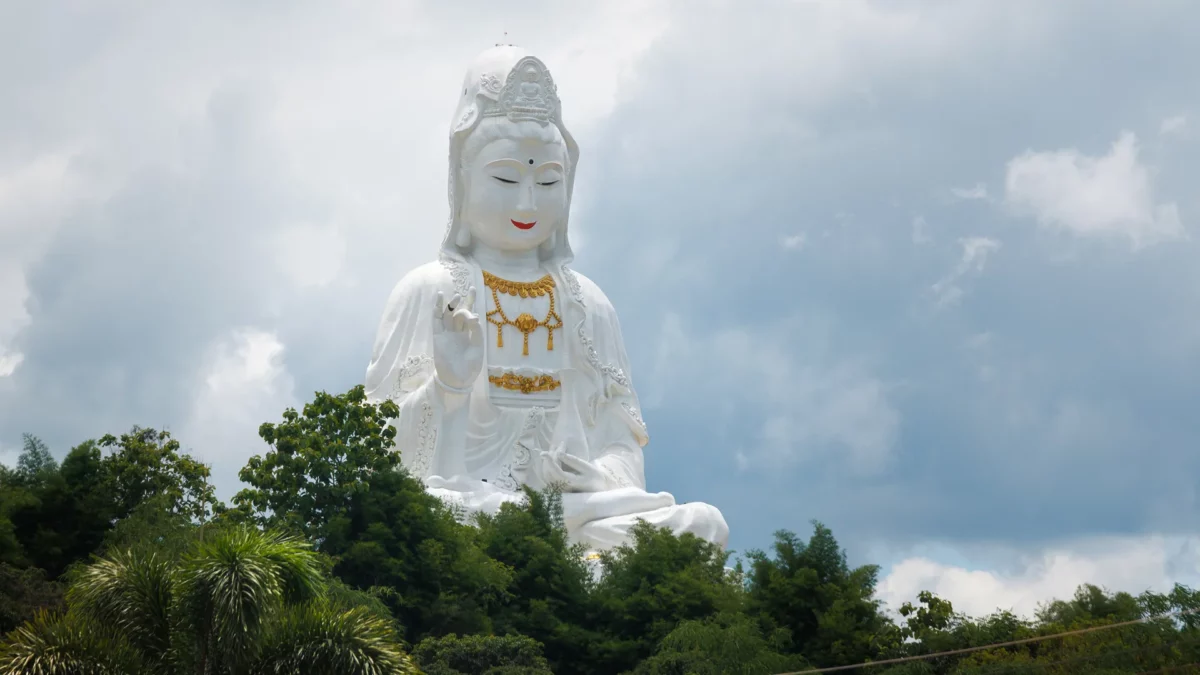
[527, 94]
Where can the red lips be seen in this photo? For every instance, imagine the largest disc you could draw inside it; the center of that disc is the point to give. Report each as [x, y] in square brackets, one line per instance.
[523, 226]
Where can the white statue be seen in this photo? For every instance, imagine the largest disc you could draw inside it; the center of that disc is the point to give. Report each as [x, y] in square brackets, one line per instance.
[508, 367]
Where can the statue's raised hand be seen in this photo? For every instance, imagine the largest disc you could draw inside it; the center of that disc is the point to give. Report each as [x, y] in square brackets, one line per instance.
[457, 341]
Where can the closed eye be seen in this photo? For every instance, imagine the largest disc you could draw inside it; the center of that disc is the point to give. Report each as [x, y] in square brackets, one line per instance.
[548, 183]
[505, 180]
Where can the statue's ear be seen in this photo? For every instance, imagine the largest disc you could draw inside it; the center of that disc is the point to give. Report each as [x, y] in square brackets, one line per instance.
[462, 238]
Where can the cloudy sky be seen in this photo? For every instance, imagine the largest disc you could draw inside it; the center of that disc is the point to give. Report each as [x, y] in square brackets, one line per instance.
[925, 271]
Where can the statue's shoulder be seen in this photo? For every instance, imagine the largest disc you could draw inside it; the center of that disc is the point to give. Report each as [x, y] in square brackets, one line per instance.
[587, 290]
[423, 281]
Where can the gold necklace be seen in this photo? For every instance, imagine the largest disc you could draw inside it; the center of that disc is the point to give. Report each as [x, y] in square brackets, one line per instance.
[525, 322]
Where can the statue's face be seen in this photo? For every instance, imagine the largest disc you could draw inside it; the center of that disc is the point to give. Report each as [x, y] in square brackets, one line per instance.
[516, 193]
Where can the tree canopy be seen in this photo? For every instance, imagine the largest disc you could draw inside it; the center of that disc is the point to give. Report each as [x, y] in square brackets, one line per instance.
[332, 559]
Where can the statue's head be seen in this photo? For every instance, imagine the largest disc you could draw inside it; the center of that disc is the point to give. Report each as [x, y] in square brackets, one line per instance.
[512, 162]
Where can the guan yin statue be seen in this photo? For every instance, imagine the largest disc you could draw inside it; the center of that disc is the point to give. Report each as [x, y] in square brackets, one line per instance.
[508, 367]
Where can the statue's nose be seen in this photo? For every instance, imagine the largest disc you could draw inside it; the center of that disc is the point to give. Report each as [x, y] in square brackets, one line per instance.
[527, 203]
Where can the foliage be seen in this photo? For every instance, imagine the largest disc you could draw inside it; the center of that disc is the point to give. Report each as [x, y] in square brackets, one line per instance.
[25, 592]
[333, 475]
[810, 591]
[454, 655]
[119, 559]
[550, 581]
[53, 515]
[321, 460]
[727, 644]
[145, 464]
[238, 601]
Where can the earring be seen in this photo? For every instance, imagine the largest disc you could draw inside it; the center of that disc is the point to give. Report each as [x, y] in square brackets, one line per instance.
[462, 238]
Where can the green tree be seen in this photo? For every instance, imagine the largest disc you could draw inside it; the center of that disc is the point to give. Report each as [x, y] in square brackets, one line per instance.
[239, 602]
[25, 592]
[482, 655]
[548, 597]
[333, 475]
[829, 609]
[53, 515]
[649, 587]
[727, 644]
[321, 459]
[146, 463]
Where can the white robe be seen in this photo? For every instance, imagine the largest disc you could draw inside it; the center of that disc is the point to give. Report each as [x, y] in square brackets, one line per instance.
[476, 455]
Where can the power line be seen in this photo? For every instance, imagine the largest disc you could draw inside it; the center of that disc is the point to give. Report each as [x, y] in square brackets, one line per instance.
[980, 648]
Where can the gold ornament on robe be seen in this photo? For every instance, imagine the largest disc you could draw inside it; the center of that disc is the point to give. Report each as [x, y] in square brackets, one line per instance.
[524, 383]
[525, 323]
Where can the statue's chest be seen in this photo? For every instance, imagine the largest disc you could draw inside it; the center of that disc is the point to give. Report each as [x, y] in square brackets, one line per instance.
[524, 327]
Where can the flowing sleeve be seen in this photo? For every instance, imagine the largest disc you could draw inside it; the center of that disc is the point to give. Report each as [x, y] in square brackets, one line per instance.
[618, 433]
[402, 370]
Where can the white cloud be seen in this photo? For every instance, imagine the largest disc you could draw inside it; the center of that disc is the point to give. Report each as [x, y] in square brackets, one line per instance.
[243, 383]
[1131, 564]
[975, 251]
[9, 362]
[793, 242]
[1173, 125]
[1111, 196]
[979, 191]
[920, 231]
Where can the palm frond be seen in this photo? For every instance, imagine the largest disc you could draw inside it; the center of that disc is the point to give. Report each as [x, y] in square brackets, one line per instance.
[318, 639]
[66, 645]
[232, 583]
[130, 593]
[298, 566]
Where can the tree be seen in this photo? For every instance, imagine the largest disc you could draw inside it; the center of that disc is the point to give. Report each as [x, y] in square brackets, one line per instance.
[239, 602]
[548, 598]
[481, 654]
[320, 460]
[649, 587]
[52, 515]
[146, 464]
[808, 589]
[333, 475]
[727, 644]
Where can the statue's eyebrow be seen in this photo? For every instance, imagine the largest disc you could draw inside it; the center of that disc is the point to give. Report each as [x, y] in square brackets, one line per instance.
[504, 162]
[550, 165]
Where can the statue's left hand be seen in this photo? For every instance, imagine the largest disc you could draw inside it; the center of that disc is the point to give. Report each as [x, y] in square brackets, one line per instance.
[577, 474]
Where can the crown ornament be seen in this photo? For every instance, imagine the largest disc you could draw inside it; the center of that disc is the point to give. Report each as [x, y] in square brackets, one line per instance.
[528, 93]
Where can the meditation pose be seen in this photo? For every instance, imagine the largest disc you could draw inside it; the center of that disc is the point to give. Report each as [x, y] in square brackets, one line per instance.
[508, 367]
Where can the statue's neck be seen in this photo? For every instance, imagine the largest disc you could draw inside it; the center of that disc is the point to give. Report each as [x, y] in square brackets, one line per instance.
[509, 264]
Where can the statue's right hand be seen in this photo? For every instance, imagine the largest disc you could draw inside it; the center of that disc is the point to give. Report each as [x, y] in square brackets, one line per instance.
[457, 341]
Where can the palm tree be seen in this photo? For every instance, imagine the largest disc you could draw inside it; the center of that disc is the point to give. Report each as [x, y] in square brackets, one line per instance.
[243, 602]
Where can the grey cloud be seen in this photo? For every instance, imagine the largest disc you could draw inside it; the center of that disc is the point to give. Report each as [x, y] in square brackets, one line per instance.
[731, 131]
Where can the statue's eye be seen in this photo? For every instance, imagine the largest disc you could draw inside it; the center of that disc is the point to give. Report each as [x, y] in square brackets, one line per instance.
[548, 183]
[505, 180]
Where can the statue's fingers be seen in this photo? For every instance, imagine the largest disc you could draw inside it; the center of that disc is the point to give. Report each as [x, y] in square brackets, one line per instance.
[470, 304]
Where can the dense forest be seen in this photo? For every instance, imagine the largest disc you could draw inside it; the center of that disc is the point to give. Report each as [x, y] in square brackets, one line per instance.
[119, 559]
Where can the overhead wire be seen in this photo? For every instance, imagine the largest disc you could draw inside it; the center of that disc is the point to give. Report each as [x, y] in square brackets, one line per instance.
[997, 645]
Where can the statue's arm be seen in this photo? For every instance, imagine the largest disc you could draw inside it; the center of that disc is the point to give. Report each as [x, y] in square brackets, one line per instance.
[402, 370]
[618, 434]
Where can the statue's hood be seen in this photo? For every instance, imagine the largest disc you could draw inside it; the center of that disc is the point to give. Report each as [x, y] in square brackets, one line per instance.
[507, 80]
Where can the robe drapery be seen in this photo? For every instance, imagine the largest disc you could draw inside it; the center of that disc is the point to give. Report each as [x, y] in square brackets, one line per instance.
[476, 455]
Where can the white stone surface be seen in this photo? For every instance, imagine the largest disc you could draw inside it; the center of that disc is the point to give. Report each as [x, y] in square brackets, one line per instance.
[474, 443]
